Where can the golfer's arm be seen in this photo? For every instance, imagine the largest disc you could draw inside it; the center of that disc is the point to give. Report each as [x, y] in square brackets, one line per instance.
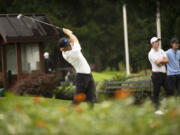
[70, 35]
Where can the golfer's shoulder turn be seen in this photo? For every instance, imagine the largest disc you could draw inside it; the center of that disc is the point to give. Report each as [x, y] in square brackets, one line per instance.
[76, 46]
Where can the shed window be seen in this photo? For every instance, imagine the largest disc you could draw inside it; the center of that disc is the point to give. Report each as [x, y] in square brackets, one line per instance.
[11, 59]
[30, 58]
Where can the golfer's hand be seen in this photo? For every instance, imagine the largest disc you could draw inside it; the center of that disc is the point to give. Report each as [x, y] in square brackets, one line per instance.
[67, 31]
[70, 34]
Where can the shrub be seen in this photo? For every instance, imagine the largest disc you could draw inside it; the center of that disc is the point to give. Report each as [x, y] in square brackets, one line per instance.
[100, 86]
[38, 84]
[122, 67]
[65, 91]
[120, 77]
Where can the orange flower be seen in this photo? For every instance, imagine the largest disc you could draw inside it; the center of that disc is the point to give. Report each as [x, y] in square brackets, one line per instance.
[62, 108]
[18, 105]
[78, 108]
[122, 94]
[156, 124]
[173, 113]
[19, 108]
[80, 97]
[36, 100]
[41, 123]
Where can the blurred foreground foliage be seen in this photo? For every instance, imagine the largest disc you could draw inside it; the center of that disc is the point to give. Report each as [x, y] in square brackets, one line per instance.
[43, 116]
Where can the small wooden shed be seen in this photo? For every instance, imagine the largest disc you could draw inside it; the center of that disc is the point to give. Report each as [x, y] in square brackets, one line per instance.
[21, 45]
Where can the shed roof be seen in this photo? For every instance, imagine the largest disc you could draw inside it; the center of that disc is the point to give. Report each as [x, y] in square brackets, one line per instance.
[13, 30]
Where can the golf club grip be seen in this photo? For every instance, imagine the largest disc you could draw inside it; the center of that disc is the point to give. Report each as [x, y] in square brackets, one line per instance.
[61, 29]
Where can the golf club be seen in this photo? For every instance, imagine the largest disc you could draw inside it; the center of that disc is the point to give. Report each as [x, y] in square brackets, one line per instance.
[19, 16]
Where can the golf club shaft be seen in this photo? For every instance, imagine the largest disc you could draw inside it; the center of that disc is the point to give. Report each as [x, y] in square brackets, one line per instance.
[43, 22]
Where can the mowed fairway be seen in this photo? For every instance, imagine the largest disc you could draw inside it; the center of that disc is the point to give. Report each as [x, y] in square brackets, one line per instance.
[101, 76]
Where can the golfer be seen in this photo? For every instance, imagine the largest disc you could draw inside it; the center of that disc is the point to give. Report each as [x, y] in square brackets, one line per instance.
[71, 51]
[158, 59]
[173, 67]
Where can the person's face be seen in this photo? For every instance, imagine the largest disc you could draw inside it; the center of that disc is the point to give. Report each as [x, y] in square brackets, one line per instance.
[155, 44]
[67, 48]
[175, 46]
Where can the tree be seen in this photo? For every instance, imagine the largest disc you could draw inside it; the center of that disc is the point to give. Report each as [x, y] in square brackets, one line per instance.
[99, 26]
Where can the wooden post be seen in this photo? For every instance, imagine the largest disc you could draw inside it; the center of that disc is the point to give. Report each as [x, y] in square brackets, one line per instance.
[4, 66]
[42, 66]
[18, 61]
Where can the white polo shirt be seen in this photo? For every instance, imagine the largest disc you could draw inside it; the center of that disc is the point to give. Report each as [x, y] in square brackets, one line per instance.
[76, 59]
[157, 55]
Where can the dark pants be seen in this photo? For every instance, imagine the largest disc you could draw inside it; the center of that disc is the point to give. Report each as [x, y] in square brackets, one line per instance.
[158, 79]
[85, 85]
[173, 83]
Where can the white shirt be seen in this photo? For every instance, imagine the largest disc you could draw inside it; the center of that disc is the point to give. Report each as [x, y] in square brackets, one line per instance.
[157, 55]
[76, 59]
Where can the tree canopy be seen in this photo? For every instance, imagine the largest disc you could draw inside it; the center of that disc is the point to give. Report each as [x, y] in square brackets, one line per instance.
[99, 26]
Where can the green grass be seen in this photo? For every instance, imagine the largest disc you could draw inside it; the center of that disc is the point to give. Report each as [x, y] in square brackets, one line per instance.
[43, 116]
[101, 76]
[29, 100]
[108, 75]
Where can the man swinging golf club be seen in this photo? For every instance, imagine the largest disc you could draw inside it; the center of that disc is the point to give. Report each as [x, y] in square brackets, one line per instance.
[71, 51]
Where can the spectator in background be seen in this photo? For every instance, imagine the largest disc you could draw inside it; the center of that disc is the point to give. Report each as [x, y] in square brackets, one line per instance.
[158, 59]
[173, 67]
[47, 62]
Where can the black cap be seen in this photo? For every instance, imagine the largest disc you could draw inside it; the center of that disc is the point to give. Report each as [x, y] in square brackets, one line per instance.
[63, 42]
[174, 40]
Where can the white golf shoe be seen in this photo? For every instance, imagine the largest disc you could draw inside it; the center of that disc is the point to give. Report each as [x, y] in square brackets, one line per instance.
[159, 112]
